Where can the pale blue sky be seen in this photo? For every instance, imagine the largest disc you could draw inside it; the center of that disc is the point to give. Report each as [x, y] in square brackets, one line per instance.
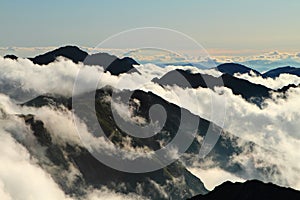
[231, 24]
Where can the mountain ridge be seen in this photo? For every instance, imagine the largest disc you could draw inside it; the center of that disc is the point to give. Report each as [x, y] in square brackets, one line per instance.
[232, 68]
[252, 92]
[110, 63]
[251, 189]
[274, 73]
[117, 65]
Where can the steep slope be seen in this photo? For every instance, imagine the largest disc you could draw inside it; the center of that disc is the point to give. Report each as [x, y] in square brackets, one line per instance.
[249, 190]
[175, 179]
[97, 174]
[94, 173]
[221, 154]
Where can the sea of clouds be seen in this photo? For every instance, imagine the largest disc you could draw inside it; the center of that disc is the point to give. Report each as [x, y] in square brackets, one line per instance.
[274, 128]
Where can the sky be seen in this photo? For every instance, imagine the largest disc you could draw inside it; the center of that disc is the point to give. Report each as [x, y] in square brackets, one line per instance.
[232, 26]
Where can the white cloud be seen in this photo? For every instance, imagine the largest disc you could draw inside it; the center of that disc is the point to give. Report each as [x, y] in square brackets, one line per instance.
[59, 77]
[20, 176]
[275, 127]
[214, 176]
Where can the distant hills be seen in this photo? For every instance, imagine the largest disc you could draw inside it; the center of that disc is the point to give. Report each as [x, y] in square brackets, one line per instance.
[232, 68]
[282, 70]
[250, 190]
[109, 62]
[118, 66]
[251, 92]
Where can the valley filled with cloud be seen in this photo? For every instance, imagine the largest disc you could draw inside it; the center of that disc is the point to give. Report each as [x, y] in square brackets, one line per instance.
[272, 127]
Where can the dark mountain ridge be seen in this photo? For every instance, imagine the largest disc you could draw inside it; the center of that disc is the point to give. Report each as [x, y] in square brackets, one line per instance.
[109, 62]
[254, 93]
[13, 57]
[274, 73]
[250, 190]
[232, 68]
[117, 66]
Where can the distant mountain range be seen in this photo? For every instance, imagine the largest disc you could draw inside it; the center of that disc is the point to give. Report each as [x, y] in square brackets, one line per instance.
[282, 70]
[117, 66]
[250, 190]
[232, 68]
[109, 62]
[252, 92]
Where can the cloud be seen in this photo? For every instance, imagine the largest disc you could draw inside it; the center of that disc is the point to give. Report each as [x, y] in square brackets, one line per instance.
[20, 176]
[275, 131]
[25, 172]
[104, 194]
[275, 127]
[214, 176]
[276, 83]
[23, 80]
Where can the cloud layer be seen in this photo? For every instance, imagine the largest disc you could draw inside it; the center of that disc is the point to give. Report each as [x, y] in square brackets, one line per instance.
[274, 128]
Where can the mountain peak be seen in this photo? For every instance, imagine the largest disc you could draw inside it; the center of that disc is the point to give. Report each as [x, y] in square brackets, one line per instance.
[110, 63]
[71, 52]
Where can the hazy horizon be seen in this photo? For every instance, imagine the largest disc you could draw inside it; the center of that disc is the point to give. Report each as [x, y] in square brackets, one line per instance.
[261, 61]
[235, 26]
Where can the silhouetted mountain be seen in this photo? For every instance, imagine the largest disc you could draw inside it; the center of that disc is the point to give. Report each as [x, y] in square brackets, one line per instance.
[250, 190]
[254, 93]
[13, 57]
[110, 63]
[71, 52]
[282, 70]
[232, 68]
